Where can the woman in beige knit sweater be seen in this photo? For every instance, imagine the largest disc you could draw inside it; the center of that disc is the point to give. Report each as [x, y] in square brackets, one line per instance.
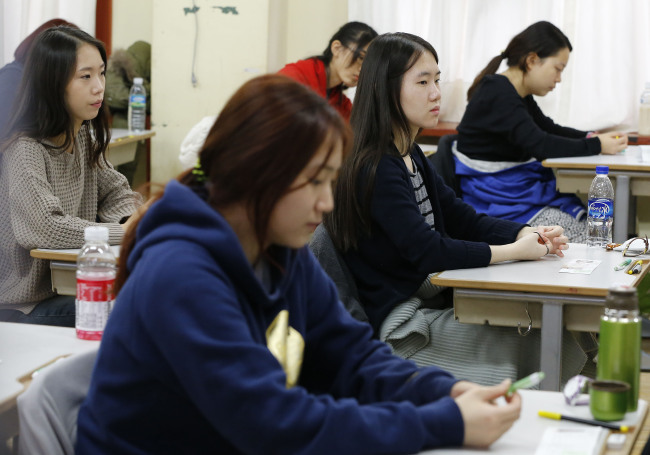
[54, 178]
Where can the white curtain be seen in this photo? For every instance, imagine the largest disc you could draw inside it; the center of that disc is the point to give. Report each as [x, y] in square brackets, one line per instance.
[21, 17]
[607, 70]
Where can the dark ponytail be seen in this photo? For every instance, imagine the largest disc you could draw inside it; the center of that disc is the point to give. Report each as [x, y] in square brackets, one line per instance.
[491, 68]
[541, 38]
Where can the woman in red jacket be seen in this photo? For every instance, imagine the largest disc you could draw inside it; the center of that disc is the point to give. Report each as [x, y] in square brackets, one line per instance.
[337, 68]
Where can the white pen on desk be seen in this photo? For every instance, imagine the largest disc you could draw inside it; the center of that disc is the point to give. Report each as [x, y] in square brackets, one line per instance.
[623, 264]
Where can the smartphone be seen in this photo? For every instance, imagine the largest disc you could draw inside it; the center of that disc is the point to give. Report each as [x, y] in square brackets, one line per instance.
[525, 383]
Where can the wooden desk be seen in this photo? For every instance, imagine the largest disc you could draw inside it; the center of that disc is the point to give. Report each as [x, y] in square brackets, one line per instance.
[629, 174]
[63, 267]
[123, 143]
[25, 348]
[634, 139]
[526, 434]
[442, 129]
[502, 293]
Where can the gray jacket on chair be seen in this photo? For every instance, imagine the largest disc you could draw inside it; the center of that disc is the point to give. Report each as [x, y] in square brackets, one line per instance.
[48, 410]
[331, 261]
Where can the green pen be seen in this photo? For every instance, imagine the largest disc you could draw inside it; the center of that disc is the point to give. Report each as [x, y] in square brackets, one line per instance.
[525, 383]
[623, 264]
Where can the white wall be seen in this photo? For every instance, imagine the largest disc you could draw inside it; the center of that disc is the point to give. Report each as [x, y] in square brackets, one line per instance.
[132, 21]
[229, 50]
[311, 24]
[263, 36]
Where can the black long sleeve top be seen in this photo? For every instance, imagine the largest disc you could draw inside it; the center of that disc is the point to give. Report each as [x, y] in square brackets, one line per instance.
[500, 125]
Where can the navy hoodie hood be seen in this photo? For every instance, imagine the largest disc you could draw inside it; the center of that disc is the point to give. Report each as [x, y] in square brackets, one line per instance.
[182, 215]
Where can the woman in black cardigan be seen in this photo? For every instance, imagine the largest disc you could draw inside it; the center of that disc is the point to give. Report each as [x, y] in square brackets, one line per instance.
[504, 135]
[395, 221]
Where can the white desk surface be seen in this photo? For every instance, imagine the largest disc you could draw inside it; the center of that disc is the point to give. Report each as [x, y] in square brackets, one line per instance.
[543, 275]
[527, 432]
[630, 159]
[27, 347]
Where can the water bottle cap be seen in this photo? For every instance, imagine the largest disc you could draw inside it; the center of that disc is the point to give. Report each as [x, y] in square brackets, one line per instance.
[602, 169]
[137, 80]
[96, 233]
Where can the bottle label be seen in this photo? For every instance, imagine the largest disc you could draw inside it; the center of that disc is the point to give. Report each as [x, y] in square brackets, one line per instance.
[601, 208]
[138, 100]
[93, 305]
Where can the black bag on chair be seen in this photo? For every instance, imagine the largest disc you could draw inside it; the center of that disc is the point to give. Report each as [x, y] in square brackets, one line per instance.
[443, 162]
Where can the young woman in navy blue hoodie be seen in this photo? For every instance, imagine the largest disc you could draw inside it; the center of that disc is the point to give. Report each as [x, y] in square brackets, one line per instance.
[227, 337]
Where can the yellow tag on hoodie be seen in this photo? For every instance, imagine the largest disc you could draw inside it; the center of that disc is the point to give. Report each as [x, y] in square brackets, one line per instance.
[287, 345]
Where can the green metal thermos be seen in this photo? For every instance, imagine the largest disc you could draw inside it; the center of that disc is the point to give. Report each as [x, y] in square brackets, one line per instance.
[619, 347]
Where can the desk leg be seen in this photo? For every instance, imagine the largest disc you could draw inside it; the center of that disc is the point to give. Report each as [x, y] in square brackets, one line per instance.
[551, 345]
[8, 429]
[621, 208]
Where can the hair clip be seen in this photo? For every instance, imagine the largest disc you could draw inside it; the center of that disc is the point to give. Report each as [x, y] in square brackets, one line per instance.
[198, 173]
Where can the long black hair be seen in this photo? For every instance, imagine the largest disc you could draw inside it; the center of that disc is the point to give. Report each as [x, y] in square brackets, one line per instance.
[378, 121]
[541, 38]
[353, 35]
[40, 110]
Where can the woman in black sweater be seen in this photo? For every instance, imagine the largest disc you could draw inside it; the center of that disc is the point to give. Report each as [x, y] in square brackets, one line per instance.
[503, 135]
[395, 222]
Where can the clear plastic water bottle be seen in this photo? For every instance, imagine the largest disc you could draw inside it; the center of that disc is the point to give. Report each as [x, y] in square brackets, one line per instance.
[600, 216]
[96, 270]
[137, 113]
[644, 112]
[619, 341]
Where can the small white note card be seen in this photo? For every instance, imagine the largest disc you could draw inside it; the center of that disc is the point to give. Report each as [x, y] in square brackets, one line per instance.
[583, 266]
[572, 441]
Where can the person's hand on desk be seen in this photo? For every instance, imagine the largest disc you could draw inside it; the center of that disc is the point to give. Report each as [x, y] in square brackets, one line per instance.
[531, 243]
[485, 421]
[554, 238]
[551, 236]
[612, 143]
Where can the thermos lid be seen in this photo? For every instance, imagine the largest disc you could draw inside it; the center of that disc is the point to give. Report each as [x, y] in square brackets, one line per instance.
[622, 298]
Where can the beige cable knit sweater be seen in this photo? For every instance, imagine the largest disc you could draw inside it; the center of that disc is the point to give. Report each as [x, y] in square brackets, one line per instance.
[47, 199]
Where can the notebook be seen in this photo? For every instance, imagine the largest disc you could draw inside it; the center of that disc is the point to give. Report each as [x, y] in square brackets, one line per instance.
[574, 440]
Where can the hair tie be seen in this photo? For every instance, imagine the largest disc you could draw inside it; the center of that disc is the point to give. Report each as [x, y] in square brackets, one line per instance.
[503, 55]
[199, 175]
